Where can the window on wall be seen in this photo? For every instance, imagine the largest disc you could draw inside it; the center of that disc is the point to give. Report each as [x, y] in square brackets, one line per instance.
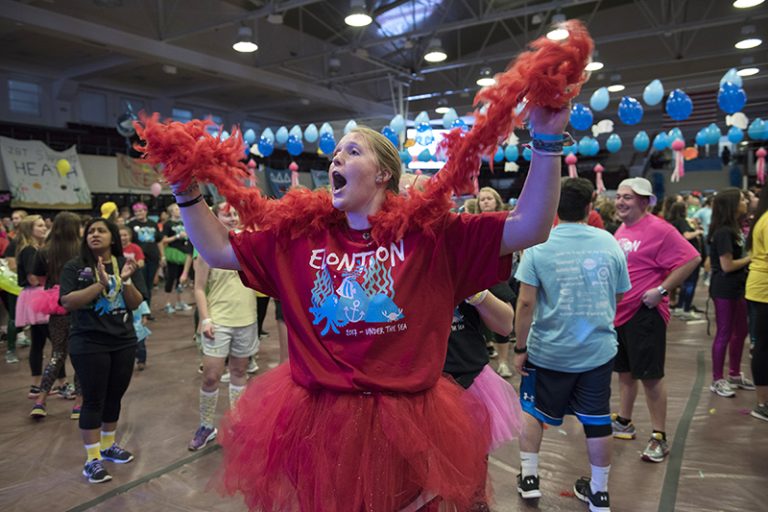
[181, 114]
[24, 97]
[93, 107]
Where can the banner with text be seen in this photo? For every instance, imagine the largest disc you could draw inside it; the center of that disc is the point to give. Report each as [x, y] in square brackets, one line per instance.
[134, 173]
[279, 181]
[34, 180]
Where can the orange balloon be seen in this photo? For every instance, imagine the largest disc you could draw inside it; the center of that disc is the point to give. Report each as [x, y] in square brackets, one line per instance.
[690, 153]
[409, 142]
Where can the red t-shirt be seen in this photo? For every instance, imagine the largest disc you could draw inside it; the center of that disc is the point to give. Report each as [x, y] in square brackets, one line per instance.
[654, 248]
[367, 318]
[594, 220]
[134, 249]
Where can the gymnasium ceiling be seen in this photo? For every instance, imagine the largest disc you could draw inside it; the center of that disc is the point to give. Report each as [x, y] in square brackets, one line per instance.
[312, 67]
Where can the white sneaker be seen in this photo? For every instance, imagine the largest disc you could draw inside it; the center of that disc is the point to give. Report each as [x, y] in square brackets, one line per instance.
[252, 366]
[183, 306]
[225, 378]
[741, 382]
[690, 315]
[722, 388]
[169, 309]
[504, 371]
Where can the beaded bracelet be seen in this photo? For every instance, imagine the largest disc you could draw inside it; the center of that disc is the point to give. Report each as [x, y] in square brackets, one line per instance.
[191, 201]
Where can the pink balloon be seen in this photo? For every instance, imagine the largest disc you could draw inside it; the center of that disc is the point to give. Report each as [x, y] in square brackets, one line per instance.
[571, 159]
[293, 167]
[155, 189]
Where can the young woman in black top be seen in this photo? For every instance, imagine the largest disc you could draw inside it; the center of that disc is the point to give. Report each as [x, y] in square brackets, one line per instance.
[677, 216]
[97, 290]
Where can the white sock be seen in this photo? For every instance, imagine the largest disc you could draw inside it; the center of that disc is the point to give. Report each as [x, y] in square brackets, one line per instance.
[529, 463]
[234, 394]
[599, 480]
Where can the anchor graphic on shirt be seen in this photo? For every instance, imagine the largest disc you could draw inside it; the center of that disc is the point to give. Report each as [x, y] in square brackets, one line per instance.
[354, 309]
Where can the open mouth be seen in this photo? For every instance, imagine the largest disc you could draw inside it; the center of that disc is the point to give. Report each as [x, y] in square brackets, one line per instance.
[339, 181]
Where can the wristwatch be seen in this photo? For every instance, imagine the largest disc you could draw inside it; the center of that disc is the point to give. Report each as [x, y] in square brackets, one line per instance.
[520, 350]
[663, 291]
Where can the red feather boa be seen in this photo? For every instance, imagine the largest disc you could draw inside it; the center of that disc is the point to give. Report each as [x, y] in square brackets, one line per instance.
[549, 75]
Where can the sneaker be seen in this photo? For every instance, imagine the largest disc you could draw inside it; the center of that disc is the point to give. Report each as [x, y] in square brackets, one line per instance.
[252, 366]
[676, 312]
[96, 472]
[690, 315]
[38, 411]
[203, 436]
[504, 371]
[225, 378]
[22, 340]
[183, 306]
[263, 334]
[528, 487]
[598, 502]
[627, 432]
[141, 366]
[492, 352]
[67, 391]
[75, 414]
[34, 392]
[760, 412]
[741, 382]
[657, 449]
[169, 309]
[722, 388]
[116, 454]
[10, 357]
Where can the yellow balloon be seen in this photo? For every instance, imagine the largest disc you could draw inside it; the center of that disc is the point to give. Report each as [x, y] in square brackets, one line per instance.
[63, 167]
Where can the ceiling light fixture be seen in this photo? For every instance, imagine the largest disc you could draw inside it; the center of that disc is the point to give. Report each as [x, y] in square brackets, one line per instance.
[750, 41]
[558, 33]
[594, 66]
[435, 52]
[442, 106]
[746, 4]
[486, 78]
[276, 18]
[244, 43]
[748, 71]
[358, 16]
[616, 88]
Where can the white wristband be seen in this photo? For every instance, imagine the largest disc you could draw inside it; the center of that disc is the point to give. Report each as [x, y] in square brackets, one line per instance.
[206, 321]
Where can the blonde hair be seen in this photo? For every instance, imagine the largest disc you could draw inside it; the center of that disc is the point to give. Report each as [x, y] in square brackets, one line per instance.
[470, 206]
[496, 197]
[386, 154]
[24, 235]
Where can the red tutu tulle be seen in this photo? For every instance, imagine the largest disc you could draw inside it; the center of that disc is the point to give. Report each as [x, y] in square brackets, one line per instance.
[290, 448]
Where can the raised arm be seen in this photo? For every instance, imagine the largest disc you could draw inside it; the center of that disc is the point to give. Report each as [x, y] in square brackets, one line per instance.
[209, 236]
[529, 223]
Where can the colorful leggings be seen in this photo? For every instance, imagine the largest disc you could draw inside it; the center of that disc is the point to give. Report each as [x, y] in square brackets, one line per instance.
[731, 320]
[58, 330]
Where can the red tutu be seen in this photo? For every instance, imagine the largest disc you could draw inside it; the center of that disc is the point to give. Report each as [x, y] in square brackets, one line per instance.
[290, 448]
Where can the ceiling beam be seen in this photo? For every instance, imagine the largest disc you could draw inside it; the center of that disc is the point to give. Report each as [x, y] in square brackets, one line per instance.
[60, 25]
[96, 66]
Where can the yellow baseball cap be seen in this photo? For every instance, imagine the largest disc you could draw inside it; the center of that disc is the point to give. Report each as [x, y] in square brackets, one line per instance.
[107, 209]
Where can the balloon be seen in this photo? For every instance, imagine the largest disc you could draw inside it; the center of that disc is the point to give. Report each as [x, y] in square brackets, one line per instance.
[63, 166]
[641, 141]
[351, 125]
[405, 157]
[613, 144]
[735, 135]
[281, 137]
[249, 136]
[266, 146]
[675, 134]
[701, 137]
[310, 134]
[460, 123]
[155, 189]
[327, 143]
[630, 110]
[390, 134]
[296, 132]
[581, 117]
[326, 128]
[293, 167]
[423, 117]
[449, 118]
[125, 125]
[679, 106]
[572, 149]
[738, 120]
[424, 134]
[267, 134]
[425, 156]
[224, 135]
[758, 130]
[732, 76]
[731, 98]
[653, 93]
[294, 145]
[499, 155]
[527, 154]
[511, 153]
[690, 153]
[397, 124]
[713, 134]
[661, 142]
[600, 99]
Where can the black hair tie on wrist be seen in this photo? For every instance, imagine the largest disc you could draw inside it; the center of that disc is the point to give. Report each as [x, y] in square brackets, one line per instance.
[191, 201]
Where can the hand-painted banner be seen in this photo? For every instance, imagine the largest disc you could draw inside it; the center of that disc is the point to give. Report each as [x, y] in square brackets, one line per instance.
[279, 181]
[320, 178]
[35, 182]
[133, 173]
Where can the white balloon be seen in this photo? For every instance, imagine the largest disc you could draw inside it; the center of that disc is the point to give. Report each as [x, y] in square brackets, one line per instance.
[423, 117]
[739, 120]
[296, 132]
[326, 128]
[267, 134]
[351, 125]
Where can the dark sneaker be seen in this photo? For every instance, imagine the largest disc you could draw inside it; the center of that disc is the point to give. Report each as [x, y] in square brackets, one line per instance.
[38, 412]
[95, 472]
[66, 391]
[203, 436]
[741, 382]
[620, 431]
[34, 392]
[760, 412]
[657, 449]
[598, 502]
[528, 487]
[116, 454]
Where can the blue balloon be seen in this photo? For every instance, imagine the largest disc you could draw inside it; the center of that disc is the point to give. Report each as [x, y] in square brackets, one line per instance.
[731, 98]
[327, 143]
[661, 142]
[589, 146]
[613, 144]
[405, 156]
[281, 137]
[311, 134]
[757, 130]
[499, 155]
[390, 134]
[630, 110]
[397, 124]
[573, 148]
[713, 133]
[424, 135]
[735, 134]
[460, 123]
[732, 76]
[511, 153]
[581, 117]
[653, 93]
[294, 145]
[679, 106]
[674, 134]
[249, 136]
[527, 154]
[266, 146]
[600, 99]
[449, 117]
[701, 137]
[425, 156]
[641, 142]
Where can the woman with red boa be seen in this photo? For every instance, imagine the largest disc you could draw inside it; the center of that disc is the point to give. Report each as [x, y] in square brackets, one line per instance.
[361, 417]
